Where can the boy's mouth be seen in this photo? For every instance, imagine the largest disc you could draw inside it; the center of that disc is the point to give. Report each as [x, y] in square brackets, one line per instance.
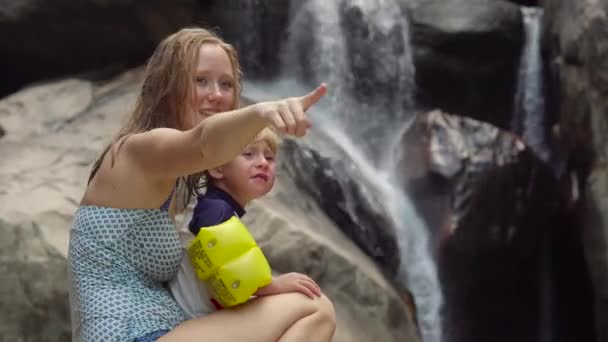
[262, 176]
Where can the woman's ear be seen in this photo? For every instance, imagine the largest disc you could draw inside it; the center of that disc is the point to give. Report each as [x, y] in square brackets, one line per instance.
[216, 173]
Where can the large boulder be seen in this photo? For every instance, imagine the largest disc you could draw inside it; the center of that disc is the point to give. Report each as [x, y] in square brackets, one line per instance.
[346, 199]
[96, 39]
[54, 132]
[42, 39]
[466, 54]
[382, 77]
[258, 37]
[525, 2]
[578, 42]
[33, 291]
[508, 255]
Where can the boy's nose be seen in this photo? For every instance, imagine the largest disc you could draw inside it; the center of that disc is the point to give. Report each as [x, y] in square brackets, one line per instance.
[261, 162]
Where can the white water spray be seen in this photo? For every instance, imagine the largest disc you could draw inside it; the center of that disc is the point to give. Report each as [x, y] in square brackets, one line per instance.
[529, 107]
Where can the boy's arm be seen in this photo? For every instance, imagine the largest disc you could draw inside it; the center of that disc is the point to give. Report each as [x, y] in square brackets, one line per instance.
[268, 290]
[290, 282]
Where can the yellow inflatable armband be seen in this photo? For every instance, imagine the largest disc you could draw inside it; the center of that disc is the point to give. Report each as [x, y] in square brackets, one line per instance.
[229, 261]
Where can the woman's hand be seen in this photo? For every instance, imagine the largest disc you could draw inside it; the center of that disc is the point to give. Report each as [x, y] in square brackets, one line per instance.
[291, 282]
[288, 115]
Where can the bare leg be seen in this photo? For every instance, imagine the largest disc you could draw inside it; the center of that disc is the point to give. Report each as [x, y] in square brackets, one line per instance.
[319, 326]
[266, 319]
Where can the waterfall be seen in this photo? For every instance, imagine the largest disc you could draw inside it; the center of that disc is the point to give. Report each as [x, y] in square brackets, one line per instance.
[361, 49]
[529, 107]
[529, 123]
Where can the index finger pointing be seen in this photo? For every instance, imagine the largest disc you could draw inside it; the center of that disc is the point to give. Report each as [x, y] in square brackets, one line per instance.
[313, 97]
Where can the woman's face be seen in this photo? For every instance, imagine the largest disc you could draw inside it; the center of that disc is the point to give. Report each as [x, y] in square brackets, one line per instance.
[214, 84]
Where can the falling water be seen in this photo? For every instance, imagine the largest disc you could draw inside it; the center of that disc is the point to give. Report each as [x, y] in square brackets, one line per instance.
[365, 59]
[354, 45]
[529, 107]
[529, 123]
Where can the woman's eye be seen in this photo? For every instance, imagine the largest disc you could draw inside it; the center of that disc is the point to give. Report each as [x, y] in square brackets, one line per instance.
[201, 80]
[227, 84]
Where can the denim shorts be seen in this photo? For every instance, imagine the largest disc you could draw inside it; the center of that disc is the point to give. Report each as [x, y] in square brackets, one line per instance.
[151, 337]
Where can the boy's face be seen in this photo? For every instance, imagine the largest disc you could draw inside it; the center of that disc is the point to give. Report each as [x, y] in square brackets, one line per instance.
[249, 175]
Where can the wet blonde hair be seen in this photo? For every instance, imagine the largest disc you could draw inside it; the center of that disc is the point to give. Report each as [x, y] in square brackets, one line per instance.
[168, 89]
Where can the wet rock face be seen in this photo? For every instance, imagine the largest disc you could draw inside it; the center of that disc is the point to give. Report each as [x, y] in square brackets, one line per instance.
[377, 42]
[34, 305]
[469, 163]
[577, 37]
[256, 28]
[501, 231]
[43, 40]
[501, 234]
[340, 195]
[577, 33]
[466, 55]
[525, 2]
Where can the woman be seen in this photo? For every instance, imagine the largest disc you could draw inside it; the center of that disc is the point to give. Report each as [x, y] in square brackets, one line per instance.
[123, 243]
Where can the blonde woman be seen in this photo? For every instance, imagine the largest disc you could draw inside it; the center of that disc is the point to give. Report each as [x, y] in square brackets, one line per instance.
[123, 242]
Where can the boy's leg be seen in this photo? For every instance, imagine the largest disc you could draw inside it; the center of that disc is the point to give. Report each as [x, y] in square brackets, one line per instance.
[284, 317]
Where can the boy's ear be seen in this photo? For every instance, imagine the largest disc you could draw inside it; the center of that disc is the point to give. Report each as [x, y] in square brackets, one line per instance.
[216, 173]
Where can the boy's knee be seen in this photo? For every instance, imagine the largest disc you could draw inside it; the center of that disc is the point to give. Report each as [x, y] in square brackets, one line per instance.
[322, 306]
[325, 308]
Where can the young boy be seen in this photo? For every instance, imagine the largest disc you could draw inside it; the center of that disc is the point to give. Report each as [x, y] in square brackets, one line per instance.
[229, 188]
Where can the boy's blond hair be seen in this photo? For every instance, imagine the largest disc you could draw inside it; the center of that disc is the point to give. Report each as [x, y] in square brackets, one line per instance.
[270, 137]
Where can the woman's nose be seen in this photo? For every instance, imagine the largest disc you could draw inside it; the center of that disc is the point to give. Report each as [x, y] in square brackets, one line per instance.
[214, 91]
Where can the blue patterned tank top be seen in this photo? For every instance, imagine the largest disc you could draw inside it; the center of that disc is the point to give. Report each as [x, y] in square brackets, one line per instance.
[118, 261]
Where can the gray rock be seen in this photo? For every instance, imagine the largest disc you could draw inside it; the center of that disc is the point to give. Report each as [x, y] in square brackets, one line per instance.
[596, 244]
[466, 54]
[42, 39]
[381, 75]
[500, 220]
[258, 37]
[332, 184]
[578, 44]
[33, 291]
[525, 2]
